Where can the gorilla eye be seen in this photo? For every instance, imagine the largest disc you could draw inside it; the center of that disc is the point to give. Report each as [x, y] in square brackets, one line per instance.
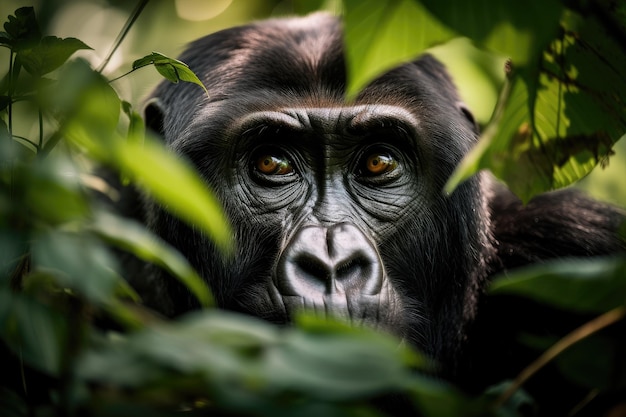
[379, 163]
[273, 165]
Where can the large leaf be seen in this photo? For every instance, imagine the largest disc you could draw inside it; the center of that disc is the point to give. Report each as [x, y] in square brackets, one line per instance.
[555, 123]
[245, 366]
[177, 186]
[585, 285]
[554, 126]
[517, 30]
[381, 34]
[135, 238]
[93, 110]
[49, 54]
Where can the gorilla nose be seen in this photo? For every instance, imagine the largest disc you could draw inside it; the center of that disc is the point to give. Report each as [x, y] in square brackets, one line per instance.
[333, 260]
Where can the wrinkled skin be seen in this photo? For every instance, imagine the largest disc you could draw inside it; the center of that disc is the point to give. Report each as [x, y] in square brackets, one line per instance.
[339, 207]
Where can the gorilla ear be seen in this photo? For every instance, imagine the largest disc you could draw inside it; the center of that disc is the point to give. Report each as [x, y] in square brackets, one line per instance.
[153, 115]
[468, 115]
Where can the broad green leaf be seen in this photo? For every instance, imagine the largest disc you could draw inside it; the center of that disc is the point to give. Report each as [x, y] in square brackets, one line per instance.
[517, 30]
[172, 69]
[136, 239]
[90, 108]
[585, 285]
[554, 124]
[248, 364]
[93, 110]
[79, 262]
[381, 34]
[49, 54]
[176, 185]
[51, 191]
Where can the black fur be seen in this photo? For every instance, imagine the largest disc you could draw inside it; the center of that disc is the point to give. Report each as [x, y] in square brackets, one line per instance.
[437, 251]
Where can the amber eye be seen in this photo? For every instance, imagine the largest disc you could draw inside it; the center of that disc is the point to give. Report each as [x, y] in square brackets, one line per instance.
[273, 165]
[378, 163]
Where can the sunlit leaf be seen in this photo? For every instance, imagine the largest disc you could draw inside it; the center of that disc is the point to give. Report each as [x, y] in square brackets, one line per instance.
[176, 185]
[172, 69]
[586, 285]
[136, 239]
[381, 34]
[555, 123]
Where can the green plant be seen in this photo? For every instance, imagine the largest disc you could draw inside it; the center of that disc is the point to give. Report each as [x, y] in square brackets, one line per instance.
[73, 338]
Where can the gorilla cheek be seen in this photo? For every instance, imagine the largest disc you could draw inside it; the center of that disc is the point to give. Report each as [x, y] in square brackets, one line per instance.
[336, 271]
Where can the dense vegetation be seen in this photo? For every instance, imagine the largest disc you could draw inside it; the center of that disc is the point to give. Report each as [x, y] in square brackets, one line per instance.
[74, 337]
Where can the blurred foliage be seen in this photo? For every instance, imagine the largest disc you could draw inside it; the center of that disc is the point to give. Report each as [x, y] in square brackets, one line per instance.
[74, 337]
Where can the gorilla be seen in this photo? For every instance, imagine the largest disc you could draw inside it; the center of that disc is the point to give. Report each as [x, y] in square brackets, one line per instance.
[339, 207]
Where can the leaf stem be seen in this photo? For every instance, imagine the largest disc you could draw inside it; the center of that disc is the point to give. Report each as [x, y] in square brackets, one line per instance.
[586, 330]
[123, 75]
[120, 37]
[10, 92]
[40, 130]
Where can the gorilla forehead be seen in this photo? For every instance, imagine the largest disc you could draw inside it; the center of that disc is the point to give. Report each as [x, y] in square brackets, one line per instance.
[294, 53]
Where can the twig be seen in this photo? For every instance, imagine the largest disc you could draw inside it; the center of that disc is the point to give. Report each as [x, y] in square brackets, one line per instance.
[120, 38]
[575, 336]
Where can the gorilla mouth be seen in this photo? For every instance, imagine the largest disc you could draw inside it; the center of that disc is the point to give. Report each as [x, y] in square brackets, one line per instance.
[379, 311]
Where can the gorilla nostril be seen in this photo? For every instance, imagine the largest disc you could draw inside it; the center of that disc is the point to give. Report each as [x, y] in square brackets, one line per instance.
[355, 265]
[312, 267]
[321, 261]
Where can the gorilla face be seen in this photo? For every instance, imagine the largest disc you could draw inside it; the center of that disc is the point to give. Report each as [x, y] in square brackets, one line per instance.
[337, 207]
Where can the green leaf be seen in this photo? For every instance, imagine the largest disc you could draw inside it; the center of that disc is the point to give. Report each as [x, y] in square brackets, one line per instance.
[136, 239]
[4, 102]
[51, 191]
[79, 262]
[585, 285]
[6, 39]
[381, 34]
[517, 30]
[89, 109]
[555, 123]
[136, 132]
[93, 110]
[49, 54]
[23, 29]
[172, 69]
[32, 330]
[176, 185]
[250, 366]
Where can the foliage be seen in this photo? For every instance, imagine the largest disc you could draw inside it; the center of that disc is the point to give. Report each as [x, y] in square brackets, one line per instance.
[74, 337]
[564, 103]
